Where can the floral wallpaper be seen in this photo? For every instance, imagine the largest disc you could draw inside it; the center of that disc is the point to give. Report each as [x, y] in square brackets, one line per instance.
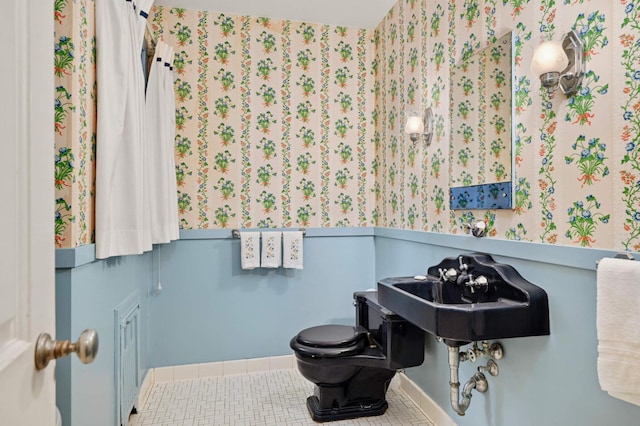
[75, 121]
[288, 124]
[577, 160]
[271, 117]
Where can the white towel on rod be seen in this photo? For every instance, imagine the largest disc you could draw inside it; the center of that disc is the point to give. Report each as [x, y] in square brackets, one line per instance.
[271, 249]
[292, 249]
[618, 328]
[249, 249]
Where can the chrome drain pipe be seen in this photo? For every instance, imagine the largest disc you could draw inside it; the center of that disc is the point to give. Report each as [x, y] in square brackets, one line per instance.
[478, 381]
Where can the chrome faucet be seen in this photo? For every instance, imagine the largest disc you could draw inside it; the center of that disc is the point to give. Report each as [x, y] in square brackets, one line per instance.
[463, 277]
[452, 275]
[463, 266]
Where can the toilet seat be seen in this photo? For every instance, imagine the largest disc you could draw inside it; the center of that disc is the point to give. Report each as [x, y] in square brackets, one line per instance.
[330, 341]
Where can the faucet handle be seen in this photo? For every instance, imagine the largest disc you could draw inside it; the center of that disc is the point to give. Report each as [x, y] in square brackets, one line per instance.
[480, 282]
[448, 274]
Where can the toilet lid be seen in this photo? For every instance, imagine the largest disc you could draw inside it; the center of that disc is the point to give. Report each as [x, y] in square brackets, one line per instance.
[333, 335]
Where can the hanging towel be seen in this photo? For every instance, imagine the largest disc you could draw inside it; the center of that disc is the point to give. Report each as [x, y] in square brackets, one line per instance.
[271, 249]
[250, 250]
[292, 249]
[618, 328]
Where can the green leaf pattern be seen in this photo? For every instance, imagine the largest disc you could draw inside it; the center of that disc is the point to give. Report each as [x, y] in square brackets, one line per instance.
[285, 123]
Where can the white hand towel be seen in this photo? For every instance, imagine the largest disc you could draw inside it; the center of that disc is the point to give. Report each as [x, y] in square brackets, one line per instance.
[250, 250]
[621, 376]
[292, 249]
[618, 328]
[271, 249]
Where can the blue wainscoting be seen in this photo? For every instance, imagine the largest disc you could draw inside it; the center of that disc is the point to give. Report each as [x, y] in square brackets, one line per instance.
[545, 380]
[209, 309]
[87, 295]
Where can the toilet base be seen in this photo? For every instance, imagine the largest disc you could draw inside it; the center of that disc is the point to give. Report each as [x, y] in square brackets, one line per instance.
[355, 410]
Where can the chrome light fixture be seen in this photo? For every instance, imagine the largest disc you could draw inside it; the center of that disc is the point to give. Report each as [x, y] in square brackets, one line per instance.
[560, 63]
[418, 126]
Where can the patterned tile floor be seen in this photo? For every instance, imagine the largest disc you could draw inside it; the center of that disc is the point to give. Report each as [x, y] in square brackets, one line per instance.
[262, 399]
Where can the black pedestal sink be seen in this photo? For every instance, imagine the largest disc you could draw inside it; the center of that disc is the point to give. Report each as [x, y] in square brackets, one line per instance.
[469, 298]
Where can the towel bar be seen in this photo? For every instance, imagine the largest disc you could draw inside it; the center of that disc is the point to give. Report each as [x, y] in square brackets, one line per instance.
[235, 233]
[623, 255]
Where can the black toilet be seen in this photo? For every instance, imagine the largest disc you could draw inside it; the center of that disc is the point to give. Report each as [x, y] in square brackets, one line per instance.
[352, 366]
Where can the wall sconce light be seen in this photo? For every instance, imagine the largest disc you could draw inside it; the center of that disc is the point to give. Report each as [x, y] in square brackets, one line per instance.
[420, 126]
[560, 63]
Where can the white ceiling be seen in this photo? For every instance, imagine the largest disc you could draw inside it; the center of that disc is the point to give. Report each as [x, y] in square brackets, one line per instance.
[347, 13]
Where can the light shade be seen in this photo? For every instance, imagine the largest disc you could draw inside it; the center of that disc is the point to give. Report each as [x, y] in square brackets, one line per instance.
[549, 57]
[560, 64]
[420, 126]
[415, 125]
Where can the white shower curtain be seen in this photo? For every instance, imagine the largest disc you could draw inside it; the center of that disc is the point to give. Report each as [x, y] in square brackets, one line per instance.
[159, 142]
[123, 198]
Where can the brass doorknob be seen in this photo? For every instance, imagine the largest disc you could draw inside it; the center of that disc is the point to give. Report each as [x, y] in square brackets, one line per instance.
[48, 348]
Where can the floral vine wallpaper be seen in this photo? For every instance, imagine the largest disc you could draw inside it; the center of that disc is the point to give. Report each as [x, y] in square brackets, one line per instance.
[577, 159]
[272, 128]
[74, 121]
[287, 124]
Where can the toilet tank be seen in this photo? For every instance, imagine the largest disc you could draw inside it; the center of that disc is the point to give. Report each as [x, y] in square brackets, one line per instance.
[401, 342]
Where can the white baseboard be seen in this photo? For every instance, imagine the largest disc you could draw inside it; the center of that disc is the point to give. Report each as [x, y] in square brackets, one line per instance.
[145, 388]
[428, 406]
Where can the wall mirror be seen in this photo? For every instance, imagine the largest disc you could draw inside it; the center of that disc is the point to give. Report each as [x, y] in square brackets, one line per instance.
[481, 112]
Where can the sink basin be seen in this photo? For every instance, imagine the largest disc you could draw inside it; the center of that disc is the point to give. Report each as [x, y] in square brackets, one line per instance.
[464, 308]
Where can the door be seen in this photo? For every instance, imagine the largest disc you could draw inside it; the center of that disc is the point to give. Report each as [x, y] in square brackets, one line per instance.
[27, 293]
